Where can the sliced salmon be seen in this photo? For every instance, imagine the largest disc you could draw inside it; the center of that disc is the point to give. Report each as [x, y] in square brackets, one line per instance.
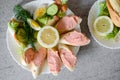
[67, 56]
[74, 38]
[40, 56]
[68, 23]
[54, 61]
[29, 55]
[38, 62]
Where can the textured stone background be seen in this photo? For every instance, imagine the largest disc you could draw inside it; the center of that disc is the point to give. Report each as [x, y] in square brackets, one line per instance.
[94, 62]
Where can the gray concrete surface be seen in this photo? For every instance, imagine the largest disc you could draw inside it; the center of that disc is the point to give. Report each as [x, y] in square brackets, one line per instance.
[94, 62]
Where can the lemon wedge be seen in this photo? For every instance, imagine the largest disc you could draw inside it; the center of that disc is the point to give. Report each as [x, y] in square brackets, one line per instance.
[33, 24]
[39, 12]
[103, 25]
[48, 37]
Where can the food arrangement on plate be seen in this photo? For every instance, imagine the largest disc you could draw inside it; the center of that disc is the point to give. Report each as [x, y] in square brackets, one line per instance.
[48, 35]
[104, 23]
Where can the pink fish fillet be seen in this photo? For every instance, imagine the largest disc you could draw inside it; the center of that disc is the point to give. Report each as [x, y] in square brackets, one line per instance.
[68, 23]
[40, 56]
[38, 62]
[54, 61]
[29, 55]
[67, 57]
[74, 38]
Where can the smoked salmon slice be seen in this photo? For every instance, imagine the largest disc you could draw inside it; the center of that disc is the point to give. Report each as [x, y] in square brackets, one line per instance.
[54, 61]
[40, 56]
[67, 56]
[29, 55]
[74, 38]
[38, 62]
[68, 23]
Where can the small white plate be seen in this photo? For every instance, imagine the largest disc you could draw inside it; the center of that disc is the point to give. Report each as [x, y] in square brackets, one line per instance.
[93, 14]
[14, 48]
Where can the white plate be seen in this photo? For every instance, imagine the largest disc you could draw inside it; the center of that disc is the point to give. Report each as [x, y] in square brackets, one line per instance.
[12, 45]
[93, 14]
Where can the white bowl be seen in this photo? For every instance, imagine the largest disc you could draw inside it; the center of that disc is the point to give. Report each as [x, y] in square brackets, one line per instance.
[93, 14]
[13, 46]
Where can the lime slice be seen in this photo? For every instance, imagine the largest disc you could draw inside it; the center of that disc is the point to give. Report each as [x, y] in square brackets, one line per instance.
[103, 25]
[48, 37]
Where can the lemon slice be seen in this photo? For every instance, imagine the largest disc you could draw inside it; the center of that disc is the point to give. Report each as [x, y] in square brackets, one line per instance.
[103, 25]
[48, 37]
[39, 12]
[117, 37]
[33, 24]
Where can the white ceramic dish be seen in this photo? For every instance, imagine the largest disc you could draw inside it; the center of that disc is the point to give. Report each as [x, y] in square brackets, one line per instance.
[12, 45]
[93, 14]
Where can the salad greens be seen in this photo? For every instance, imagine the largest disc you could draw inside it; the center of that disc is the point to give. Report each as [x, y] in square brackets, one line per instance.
[64, 1]
[113, 34]
[21, 35]
[61, 14]
[24, 34]
[13, 24]
[104, 12]
[103, 9]
[29, 32]
[20, 13]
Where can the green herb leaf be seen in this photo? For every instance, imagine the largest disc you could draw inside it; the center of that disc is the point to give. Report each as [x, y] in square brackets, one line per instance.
[20, 13]
[61, 14]
[114, 33]
[13, 24]
[64, 1]
[103, 9]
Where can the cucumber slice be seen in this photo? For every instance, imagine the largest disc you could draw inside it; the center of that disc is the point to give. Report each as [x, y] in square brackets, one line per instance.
[43, 20]
[52, 10]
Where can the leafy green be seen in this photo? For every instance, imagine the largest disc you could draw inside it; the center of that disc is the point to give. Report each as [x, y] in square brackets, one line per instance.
[103, 9]
[113, 33]
[26, 33]
[13, 24]
[64, 1]
[35, 35]
[29, 34]
[21, 35]
[61, 14]
[20, 13]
